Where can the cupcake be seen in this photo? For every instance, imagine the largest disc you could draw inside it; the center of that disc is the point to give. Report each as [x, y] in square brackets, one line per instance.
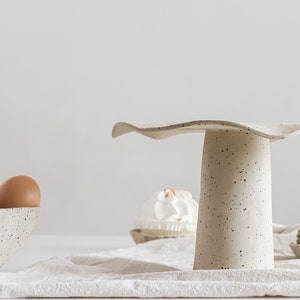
[168, 213]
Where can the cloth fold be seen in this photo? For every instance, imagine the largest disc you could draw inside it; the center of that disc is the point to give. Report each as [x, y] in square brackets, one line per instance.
[156, 269]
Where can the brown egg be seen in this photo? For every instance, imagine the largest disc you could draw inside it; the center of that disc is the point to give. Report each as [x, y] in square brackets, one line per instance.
[19, 191]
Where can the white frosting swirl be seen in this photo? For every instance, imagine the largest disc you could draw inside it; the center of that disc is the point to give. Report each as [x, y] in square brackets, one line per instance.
[171, 205]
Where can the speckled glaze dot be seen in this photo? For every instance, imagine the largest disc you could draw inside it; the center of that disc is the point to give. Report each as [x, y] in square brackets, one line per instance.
[15, 226]
[236, 203]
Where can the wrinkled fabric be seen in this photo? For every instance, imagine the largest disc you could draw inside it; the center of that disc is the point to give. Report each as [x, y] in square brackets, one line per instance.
[159, 268]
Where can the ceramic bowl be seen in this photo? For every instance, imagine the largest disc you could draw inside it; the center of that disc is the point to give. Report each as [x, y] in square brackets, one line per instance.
[15, 226]
[296, 249]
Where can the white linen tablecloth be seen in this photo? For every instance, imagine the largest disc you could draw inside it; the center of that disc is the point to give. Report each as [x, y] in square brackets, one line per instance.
[156, 269]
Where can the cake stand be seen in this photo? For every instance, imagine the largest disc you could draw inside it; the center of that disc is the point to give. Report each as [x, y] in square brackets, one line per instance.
[235, 211]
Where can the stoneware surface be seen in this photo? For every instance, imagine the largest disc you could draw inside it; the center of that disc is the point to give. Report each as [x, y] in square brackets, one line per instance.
[235, 211]
[296, 249]
[15, 225]
[161, 131]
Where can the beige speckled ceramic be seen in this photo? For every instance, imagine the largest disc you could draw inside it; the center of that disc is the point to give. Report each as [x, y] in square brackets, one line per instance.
[15, 226]
[296, 249]
[161, 131]
[235, 210]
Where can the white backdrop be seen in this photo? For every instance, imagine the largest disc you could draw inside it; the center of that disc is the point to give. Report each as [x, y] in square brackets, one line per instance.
[70, 69]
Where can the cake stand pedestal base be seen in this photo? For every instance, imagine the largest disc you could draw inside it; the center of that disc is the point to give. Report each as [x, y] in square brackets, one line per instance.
[235, 211]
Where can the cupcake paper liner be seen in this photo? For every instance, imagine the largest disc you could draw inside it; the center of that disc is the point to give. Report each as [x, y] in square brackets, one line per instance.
[144, 235]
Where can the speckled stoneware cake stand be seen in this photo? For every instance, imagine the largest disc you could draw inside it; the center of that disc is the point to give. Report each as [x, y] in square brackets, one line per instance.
[235, 210]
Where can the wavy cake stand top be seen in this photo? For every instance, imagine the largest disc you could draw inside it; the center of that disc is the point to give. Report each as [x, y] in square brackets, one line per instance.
[161, 131]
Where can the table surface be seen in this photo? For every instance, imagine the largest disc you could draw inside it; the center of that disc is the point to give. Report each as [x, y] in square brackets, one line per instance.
[41, 247]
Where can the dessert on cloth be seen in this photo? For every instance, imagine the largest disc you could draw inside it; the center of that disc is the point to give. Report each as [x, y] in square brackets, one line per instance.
[155, 269]
[168, 213]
